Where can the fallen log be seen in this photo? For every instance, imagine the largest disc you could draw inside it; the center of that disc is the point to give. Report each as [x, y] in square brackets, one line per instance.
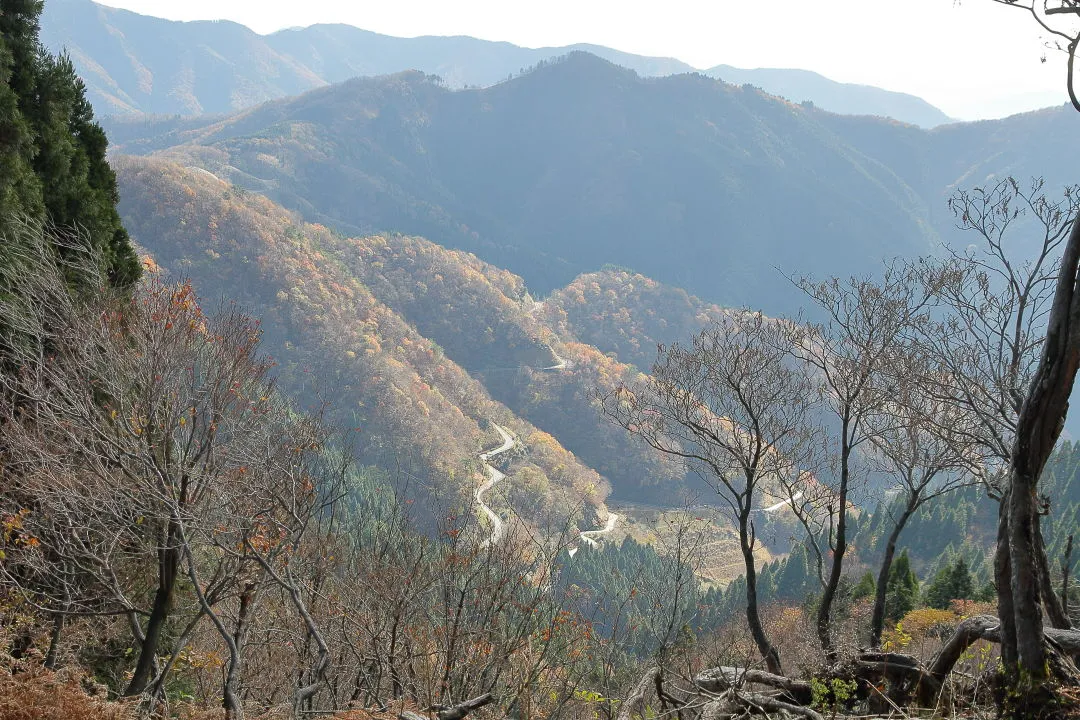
[718, 679]
[459, 711]
[766, 704]
[449, 712]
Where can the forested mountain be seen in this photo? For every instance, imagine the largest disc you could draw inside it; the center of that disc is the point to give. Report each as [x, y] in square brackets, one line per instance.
[133, 63]
[297, 459]
[485, 321]
[419, 350]
[844, 98]
[693, 182]
[412, 407]
[627, 314]
[966, 155]
[699, 184]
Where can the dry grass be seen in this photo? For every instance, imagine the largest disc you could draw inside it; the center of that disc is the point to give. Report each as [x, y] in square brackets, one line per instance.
[37, 694]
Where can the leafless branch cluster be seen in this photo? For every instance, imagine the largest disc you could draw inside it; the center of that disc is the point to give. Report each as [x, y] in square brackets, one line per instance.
[941, 373]
[153, 474]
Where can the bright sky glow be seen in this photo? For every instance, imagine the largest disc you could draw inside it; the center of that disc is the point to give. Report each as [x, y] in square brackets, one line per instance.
[973, 59]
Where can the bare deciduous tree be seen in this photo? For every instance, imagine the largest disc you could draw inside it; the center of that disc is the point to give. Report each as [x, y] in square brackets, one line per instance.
[141, 434]
[1064, 35]
[916, 442]
[848, 352]
[734, 408]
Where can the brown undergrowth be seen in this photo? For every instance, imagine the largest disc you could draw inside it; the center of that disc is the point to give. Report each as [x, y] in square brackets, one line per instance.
[34, 693]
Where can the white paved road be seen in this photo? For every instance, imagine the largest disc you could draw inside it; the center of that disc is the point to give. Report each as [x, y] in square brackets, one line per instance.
[498, 527]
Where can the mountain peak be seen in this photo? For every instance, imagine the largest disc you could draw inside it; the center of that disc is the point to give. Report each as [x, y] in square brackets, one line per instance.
[582, 64]
[139, 65]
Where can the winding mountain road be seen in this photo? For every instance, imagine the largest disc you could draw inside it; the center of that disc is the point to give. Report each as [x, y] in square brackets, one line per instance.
[588, 537]
[494, 477]
[560, 362]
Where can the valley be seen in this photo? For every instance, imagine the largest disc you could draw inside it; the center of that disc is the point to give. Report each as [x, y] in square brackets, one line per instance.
[417, 378]
[422, 160]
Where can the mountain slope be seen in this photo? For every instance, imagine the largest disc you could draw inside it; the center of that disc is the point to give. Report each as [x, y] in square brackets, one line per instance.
[579, 163]
[485, 321]
[416, 411]
[844, 98]
[627, 314]
[136, 64]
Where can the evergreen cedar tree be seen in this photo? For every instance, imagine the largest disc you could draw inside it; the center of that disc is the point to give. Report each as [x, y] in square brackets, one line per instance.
[52, 153]
[952, 582]
[903, 589]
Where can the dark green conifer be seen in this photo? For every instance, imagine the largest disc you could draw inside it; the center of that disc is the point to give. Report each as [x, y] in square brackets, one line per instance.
[903, 589]
[865, 587]
[52, 154]
[952, 582]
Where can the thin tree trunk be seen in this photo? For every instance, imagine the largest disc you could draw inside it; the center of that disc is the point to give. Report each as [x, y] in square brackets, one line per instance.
[753, 616]
[234, 709]
[305, 693]
[1066, 565]
[877, 621]
[824, 616]
[162, 675]
[1055, 612]
[168, 570]
[54, 639]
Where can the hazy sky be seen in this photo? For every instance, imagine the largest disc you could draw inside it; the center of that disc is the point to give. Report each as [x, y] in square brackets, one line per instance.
[973, 59]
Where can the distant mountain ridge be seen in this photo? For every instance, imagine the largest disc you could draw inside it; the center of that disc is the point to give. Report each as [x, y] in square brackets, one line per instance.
[698, 183]
[842, 98]
[137, 64]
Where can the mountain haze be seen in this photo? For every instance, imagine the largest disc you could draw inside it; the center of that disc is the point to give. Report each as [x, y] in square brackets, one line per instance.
[413, 409]
[704, 185]
[137, 64]
[843, 98]
[379, 378]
